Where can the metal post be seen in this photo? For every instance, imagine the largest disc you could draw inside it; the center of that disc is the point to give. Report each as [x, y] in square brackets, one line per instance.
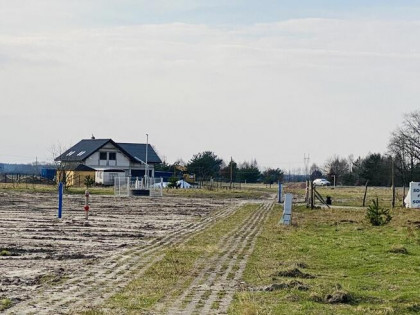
[312, 196]
[280, 192]
[86, 205]
[60, 200]
[147, 149]
[231, 173]
[393, 183]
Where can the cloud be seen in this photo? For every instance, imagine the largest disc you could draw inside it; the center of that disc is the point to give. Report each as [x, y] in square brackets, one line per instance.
[222, 88]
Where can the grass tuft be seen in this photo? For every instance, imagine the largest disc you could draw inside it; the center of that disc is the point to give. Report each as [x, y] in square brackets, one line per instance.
[5, 303]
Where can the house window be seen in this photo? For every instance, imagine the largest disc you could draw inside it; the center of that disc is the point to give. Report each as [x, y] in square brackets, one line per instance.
[102, 156]
[112, 156]
[71, 153]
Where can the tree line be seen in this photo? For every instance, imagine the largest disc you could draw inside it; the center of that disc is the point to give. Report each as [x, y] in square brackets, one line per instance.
[207, 165]
[401, 161]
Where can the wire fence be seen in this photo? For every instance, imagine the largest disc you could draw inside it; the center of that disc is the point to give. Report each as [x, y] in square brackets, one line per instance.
[13, 178]
[138, 186]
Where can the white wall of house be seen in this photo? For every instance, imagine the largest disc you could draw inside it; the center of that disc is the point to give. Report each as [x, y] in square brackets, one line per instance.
[107, 178]
[99, 177]
[108, 156]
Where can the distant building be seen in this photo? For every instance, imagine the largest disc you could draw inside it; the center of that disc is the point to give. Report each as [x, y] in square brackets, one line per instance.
[108, 159]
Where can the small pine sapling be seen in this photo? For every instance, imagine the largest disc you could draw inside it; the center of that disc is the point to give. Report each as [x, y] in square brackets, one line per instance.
[173, 182]
[376, 215]
[89, 181]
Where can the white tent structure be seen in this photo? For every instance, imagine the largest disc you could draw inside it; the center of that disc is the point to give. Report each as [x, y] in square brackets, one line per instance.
[183, 184]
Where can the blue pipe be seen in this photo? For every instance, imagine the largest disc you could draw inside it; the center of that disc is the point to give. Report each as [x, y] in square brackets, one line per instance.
[60, 199]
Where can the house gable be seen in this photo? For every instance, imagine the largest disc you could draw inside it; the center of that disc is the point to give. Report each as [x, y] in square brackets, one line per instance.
[82, 150]
[106, 153]
[109, 155]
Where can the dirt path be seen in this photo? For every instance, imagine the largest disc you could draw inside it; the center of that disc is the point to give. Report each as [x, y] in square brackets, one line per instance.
[212, 290]
[58, 267]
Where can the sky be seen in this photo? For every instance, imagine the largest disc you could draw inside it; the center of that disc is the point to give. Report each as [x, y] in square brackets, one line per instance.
[268, 80]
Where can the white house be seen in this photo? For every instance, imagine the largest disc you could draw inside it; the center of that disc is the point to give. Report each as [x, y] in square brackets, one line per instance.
[110, 159]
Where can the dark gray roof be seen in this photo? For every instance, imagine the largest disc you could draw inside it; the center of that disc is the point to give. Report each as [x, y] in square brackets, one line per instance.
[83, 168]
[136, 152]
[82, 150]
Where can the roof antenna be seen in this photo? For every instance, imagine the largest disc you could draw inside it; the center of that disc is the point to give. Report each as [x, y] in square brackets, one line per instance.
[93, 137]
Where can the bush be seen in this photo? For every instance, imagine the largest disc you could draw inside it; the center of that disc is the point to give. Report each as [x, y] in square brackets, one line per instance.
[89, 181]
[376, 215]
[173, 182]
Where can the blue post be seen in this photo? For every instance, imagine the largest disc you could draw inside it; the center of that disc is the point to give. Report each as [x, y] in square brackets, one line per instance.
[60, 199]
[280, 192]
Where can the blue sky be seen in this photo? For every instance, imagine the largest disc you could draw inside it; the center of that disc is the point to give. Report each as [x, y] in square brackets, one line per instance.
[44, 14]
[245, 79]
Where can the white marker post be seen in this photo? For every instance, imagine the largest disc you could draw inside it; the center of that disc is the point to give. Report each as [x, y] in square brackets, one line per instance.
[287, 209]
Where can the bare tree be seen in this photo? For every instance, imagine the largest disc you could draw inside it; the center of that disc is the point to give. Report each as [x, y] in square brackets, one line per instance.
[404, 146]
[61, 166]
[336, 167]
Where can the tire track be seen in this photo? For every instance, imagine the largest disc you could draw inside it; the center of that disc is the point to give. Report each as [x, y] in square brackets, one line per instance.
[97, 282]
[214, 286]
[204, 264]
[229, 286]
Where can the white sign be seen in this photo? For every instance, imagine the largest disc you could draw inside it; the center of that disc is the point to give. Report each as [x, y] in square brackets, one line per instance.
[287, 209]
[413, 197]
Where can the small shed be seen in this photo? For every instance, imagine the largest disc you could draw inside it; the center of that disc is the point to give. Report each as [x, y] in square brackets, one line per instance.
[75, 176]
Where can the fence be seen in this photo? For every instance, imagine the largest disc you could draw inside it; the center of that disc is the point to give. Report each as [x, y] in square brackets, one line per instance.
[16, 178]
[138, 186]
[213, 184]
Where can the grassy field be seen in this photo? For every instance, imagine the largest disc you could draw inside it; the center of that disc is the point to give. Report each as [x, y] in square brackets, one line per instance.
[341, 196]
[349, 196]
[329, 261]
[41, 188]
[248, 192]
[334, 262]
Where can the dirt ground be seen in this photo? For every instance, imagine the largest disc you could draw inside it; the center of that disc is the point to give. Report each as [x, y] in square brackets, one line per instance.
[52, 266]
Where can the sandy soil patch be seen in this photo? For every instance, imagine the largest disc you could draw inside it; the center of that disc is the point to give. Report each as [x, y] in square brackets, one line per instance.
[42, 257]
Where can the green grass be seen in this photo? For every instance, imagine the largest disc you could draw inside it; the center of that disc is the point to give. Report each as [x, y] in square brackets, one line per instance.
[342, 252]
[5, 303]
[5, 252]
[175, 271]
[349, 196]
[244, 193]
[39, 188]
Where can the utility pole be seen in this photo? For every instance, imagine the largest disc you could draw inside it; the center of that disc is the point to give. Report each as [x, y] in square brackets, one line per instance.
[393, 182]
[306, 163]
[231, 172]
[147, 166]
